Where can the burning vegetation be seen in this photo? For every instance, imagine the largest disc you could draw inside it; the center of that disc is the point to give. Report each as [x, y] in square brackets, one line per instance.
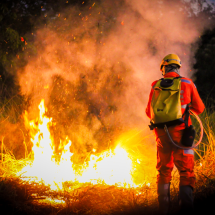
[52, 165]
[61, 177]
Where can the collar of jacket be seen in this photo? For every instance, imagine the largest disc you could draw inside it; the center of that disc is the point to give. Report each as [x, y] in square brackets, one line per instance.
[171, 74]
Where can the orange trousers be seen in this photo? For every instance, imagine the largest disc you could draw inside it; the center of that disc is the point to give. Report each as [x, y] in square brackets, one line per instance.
[169, 155]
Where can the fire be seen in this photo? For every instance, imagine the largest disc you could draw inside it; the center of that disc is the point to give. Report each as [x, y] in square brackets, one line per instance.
[112, 167]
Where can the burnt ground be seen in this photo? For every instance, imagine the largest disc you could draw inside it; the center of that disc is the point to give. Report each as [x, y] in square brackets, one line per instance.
[16, 199]
[203, 205]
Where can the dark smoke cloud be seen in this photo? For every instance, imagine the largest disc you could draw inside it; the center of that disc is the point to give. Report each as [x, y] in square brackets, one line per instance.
[94, 67]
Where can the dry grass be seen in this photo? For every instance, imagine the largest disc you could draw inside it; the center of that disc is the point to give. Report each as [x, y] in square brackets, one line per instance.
[87, 199]
[206, 163]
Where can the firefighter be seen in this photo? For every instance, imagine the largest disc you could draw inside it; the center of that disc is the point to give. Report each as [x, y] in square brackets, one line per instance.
[169, 155]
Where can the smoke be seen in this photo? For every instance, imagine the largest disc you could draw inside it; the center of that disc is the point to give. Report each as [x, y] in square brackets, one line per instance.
[94, 66]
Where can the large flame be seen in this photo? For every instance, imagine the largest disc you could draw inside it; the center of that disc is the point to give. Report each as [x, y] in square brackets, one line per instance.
[112, 167]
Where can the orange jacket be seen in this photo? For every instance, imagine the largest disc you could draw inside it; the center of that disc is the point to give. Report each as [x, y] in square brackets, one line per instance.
[189, 95]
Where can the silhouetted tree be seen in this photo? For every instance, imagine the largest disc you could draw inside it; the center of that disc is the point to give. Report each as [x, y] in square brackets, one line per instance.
[205, 66]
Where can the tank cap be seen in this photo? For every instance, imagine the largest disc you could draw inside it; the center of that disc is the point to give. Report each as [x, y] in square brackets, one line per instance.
[166, 83]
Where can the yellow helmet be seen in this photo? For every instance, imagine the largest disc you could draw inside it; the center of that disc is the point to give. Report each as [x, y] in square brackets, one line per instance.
[170, 59]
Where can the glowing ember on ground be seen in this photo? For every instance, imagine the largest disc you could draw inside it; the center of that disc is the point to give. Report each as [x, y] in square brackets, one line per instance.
[112, 167]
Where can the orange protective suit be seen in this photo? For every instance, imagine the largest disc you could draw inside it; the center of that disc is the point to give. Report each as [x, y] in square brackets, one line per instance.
[167, 153]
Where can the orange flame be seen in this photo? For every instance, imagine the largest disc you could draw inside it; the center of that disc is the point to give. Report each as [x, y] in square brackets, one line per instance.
[112, 167]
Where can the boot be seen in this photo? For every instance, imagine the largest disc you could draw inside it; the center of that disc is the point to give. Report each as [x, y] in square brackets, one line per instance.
[186, 199]
[163, 191]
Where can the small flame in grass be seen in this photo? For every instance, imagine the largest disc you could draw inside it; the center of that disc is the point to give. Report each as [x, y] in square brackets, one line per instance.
[109, 167]
[112, 167]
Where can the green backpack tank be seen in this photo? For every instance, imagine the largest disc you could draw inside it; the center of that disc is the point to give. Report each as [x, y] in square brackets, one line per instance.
[166, 103]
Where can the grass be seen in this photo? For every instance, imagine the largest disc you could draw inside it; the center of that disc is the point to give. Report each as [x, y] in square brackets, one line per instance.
[87, 199]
